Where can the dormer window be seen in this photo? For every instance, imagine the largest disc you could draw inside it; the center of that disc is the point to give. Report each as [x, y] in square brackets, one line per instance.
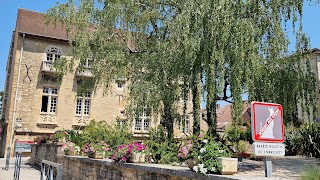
[53, 54]
[120, 84]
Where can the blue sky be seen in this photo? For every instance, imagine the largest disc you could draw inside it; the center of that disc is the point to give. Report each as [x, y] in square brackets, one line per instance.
[9, 8]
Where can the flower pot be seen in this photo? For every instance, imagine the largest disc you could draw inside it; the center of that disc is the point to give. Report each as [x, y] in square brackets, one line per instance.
[99, 155]
[69, 153]
[137, 158]
[91, 155]
[191, 163]
[229, 165]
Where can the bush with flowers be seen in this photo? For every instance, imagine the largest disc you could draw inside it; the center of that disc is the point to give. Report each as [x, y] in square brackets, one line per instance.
[123, 152]
[92, 148]
[70, 149]
[205, 152]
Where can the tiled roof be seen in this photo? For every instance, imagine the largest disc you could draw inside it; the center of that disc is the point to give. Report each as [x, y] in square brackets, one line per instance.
[224, 115]
[31, 22]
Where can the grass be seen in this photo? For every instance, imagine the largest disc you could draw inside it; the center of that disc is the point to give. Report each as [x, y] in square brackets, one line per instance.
[311, 173]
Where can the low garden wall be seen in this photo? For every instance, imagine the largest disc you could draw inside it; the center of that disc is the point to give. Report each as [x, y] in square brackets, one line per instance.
[46, 151]
[80, 167]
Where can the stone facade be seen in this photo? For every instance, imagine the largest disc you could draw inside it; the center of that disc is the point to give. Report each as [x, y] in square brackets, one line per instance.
[43, 105]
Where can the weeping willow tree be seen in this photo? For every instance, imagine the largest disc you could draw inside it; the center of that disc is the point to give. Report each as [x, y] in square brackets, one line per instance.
[165, 47]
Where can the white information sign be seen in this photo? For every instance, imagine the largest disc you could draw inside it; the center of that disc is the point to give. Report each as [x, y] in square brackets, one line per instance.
[268, 149]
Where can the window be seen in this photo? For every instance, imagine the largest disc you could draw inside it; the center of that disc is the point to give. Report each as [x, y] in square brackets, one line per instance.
[88, 63]
[186, 125]
[49, 100]
[121, 122]
[120, 84]
[83, 104]
[184, 94]
[143, 123]
[53, 54]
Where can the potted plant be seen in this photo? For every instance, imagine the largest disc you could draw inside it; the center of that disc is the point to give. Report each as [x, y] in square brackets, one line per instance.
[96, 150]
[122, 153]
[190, 149]
[70, 149]
[132, 152]
[138, 152]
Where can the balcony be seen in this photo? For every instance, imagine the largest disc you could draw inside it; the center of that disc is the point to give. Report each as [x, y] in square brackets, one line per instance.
[47, 67]
[84, 72]
[81, 121]
[47, 119]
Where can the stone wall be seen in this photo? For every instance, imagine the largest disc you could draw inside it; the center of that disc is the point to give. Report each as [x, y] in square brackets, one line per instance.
[48, 152]
[79, 167]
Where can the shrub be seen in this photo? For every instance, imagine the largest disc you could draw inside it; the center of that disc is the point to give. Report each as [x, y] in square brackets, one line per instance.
[304, 140]
[311, 173]
[123, 152]
[101, 131]
[163, 149]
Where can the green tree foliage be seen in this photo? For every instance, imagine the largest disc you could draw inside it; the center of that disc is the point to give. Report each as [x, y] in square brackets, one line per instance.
[208, 47]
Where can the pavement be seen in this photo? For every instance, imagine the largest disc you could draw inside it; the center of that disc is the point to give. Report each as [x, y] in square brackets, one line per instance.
[27, 172]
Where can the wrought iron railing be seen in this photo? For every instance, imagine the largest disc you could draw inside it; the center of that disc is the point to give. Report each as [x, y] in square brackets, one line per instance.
[50, 170]
[17, 166]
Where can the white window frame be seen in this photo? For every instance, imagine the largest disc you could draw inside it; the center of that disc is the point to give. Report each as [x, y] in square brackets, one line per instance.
[55, 52]
[186, 125]
[121, 122]
[182, 96]
[50, 92]
[145, 119]
[83, 99]
[122, 82]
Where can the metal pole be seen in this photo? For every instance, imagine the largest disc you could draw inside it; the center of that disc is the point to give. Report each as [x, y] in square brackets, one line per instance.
[14, 108]
[268, 167]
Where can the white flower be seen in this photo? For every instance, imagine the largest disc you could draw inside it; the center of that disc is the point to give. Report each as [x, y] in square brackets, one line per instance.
[152, 160]
[204, 170]
[205, 141]
[202, 150]
[195, 168]
[199, 157]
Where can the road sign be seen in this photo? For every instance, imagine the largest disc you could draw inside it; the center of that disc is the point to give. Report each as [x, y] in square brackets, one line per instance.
[268, 149]
[267, 122]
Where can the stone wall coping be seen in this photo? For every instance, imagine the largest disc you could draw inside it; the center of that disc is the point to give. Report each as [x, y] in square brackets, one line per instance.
[152, 168]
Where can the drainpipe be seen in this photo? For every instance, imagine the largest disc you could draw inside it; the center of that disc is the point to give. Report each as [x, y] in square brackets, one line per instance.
[14, 107]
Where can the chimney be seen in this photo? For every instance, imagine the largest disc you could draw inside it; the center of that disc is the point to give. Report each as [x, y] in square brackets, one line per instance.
[217, 107]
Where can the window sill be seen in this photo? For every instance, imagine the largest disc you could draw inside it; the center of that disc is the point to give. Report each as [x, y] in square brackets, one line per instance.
[140, 132]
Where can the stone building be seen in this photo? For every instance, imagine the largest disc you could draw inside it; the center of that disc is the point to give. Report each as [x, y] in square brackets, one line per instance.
[37, 102]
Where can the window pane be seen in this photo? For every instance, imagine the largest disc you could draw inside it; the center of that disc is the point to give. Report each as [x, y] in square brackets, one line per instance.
[146, 124]
[87, 95]
[53, 104]
[54, 91]
[57, 57]
[86, 106]
[45, 90]
[49, 57]
[79, 106]
[120, 84]
[44, 106]
[138, 125]
[187, 127]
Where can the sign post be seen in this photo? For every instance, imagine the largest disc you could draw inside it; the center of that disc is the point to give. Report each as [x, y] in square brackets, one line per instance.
[267, 132]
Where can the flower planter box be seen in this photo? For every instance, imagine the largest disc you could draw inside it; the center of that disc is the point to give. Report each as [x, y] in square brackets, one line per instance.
[137, 158]
[229, 165]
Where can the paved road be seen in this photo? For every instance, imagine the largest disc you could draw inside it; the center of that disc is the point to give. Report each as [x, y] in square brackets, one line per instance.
[288, 167]
[27, 172]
